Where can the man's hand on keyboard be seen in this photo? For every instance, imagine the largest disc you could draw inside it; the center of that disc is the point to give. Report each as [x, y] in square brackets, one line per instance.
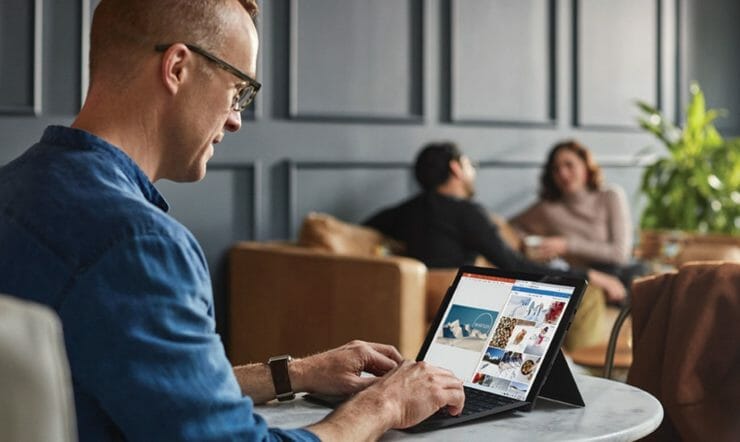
[402, 398]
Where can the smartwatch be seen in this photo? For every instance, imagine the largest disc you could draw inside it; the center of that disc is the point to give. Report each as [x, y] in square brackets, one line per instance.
[280, 377]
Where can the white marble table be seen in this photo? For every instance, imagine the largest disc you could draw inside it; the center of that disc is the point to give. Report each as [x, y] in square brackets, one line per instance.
[613, 412]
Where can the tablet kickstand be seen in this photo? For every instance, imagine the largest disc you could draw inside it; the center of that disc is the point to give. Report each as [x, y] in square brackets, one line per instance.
[560, 384]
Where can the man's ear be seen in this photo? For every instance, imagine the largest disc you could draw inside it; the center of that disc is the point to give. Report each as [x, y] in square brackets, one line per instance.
[174, 67]
[456, 169]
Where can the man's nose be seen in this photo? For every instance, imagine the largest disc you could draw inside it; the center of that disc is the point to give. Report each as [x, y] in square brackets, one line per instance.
[234, 122]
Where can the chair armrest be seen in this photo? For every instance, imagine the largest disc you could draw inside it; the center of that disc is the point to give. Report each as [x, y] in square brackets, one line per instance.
[289, 299]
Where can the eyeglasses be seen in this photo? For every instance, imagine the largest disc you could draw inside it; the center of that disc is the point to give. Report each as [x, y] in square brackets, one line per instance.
[245, 95]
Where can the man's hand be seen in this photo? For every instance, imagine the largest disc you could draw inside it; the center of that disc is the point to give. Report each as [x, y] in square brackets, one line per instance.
[337, 371]
[334, 372]
[416, 390]
[613, 287]
[400, 399]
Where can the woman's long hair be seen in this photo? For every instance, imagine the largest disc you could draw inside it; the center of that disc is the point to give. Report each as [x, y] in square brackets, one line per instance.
[549, 190]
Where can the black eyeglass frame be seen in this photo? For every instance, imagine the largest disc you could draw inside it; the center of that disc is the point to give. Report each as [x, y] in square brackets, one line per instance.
[246, 95]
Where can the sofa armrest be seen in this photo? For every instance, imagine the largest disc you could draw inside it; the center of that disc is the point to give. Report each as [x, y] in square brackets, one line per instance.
[289, 299]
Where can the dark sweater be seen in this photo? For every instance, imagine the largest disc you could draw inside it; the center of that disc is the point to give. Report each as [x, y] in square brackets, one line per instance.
[442, 231]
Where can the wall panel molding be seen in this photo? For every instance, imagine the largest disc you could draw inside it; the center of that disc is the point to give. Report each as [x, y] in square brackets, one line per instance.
[605, 85]
[86, 12]
[710, 34]
[254, 168]
[681, 57]
[33, 103]
[490, 82]
[295, 167]
[390, 79]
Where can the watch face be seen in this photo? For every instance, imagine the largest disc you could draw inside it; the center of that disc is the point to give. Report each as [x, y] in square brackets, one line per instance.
[280, 377]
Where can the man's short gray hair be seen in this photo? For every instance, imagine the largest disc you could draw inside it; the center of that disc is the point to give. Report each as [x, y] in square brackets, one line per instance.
[122, 29]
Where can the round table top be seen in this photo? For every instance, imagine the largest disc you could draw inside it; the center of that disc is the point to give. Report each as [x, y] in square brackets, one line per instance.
[614, 411]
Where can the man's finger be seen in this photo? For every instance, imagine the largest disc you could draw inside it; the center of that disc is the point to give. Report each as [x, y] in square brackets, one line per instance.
[378, 363]
[365, 381]
[388, 350]
[453, 390]
[455, 400]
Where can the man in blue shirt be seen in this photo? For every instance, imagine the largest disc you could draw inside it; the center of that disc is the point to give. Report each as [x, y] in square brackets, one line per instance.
[84, 231]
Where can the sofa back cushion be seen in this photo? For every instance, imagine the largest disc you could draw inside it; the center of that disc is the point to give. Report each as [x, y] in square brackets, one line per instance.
[324, 232]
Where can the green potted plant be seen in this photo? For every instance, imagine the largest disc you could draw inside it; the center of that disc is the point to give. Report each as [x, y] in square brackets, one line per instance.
[693, 191]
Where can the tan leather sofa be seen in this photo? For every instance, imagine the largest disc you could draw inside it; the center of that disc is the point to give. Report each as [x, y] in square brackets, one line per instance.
[291, 299]
[339, 282]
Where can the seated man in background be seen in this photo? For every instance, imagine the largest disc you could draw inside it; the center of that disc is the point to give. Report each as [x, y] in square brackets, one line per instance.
[85, 232]
[443, 228]
[577, 217]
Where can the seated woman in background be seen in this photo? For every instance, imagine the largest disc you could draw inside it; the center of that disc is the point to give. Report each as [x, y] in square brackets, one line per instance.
[577, 218]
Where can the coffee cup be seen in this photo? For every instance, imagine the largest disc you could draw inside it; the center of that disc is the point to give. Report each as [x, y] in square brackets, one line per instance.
[532, 244]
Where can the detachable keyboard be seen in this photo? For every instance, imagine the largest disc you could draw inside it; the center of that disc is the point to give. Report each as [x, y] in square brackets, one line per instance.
[477, 404]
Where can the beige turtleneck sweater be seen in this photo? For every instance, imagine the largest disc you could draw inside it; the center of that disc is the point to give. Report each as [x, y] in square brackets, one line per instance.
[596, 225]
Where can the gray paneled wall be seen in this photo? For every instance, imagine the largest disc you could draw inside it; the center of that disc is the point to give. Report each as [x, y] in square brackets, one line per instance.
[712, 56]
[355, 66]
[364, 188]
[616, 47]
[20, 56]
[502, 55]
[367, 187]
[352, 88]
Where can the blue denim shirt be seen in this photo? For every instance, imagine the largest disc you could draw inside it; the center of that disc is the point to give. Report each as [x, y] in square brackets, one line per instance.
[84, 231]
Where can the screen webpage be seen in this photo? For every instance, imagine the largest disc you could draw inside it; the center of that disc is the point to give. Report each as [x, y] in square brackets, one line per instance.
[496, 330]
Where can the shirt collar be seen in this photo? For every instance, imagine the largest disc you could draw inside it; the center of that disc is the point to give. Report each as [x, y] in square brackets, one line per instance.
[79, 139]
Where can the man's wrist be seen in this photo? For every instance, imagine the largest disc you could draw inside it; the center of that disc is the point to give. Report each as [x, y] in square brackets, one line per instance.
[365, 416]
[385, 409]
[297, 372]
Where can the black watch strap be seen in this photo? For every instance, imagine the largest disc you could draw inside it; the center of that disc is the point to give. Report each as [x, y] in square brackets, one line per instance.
[280, 377]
